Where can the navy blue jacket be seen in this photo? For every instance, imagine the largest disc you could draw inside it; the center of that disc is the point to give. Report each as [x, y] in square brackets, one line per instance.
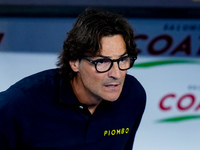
[41, 112]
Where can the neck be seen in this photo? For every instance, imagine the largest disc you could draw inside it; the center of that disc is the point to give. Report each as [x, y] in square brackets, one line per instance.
[83, 96]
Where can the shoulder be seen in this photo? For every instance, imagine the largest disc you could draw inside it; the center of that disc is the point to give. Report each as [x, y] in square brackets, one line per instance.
[37, 79]
[133, 84]
[30, 86]
[133, 90]
[39, 82]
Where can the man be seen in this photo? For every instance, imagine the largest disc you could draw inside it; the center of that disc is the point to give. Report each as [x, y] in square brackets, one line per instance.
[88, 103]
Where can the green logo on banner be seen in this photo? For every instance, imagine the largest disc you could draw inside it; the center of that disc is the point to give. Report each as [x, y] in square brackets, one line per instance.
[166, 62]
[178, 119]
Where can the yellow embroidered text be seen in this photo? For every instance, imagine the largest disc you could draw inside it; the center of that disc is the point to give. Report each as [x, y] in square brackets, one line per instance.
[116, 131]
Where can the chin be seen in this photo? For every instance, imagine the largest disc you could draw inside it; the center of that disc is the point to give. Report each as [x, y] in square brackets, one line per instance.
[112, 98]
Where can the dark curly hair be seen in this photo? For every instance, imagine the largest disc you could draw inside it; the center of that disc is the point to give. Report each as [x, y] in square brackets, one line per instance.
[86, 34]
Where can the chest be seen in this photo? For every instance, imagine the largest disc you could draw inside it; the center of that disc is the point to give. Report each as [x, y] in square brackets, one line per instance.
[74, 127]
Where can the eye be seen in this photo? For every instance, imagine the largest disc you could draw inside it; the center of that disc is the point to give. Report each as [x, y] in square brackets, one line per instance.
[102, 61]
[123, 59]
[99, 61]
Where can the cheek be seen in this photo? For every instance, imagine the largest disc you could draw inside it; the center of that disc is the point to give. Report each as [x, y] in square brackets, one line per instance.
[95, 80]
[91, 77]
[124, 74]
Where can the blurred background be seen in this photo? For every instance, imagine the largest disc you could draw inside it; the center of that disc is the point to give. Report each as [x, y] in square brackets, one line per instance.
[167, 33]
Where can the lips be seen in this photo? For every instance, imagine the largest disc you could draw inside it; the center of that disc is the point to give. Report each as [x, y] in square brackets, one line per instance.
[112, 87]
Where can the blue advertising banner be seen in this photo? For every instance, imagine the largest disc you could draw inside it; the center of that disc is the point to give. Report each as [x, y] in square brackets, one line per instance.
[155, 37]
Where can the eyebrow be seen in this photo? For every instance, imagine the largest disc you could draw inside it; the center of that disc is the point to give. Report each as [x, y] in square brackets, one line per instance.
[110, 57]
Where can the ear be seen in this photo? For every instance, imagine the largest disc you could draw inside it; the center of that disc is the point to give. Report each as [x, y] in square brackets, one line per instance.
[74, 65]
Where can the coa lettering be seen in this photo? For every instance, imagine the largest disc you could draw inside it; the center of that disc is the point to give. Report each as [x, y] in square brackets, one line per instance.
[162, 44]
[1, 36]
[166, 102]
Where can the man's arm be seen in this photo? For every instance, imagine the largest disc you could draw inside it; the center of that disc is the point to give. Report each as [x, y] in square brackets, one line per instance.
[4, 123]
[141, 106]
[12, 114]
[129, 144]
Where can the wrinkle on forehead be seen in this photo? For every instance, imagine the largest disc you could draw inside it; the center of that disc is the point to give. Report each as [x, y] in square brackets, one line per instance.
[104, 56]
[112, 46]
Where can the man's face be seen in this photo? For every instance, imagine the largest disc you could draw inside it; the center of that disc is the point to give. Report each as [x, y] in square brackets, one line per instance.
[94, 86]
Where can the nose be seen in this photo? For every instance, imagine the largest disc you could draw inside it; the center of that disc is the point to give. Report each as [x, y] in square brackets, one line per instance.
[114, 72]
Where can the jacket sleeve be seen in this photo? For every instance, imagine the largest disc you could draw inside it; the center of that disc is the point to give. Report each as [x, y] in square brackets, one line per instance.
[12, 118]
[129, 144]
[141, 104]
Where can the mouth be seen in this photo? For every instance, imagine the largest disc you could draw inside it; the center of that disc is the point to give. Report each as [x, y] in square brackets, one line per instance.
[112, 86]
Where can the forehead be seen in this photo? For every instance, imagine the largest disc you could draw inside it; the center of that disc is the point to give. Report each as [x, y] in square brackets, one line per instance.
[112, 46]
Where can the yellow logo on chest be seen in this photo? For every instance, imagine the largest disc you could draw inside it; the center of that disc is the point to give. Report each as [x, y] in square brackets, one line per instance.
[116, 132]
